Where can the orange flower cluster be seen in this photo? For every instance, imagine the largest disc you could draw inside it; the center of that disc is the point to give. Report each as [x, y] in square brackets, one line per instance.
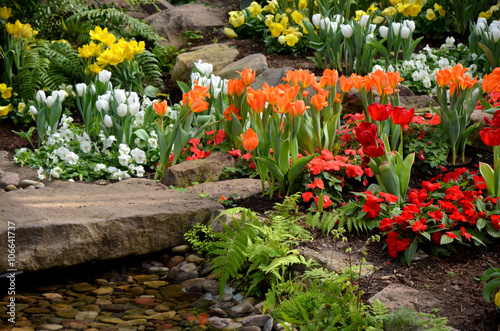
[491, 82]
[456, 78]
[195, 99]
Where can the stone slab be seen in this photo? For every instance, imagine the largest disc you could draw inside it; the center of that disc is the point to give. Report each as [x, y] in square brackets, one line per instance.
[69, 223]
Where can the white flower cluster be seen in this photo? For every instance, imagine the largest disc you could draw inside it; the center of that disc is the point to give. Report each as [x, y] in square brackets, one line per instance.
[493, 30]
[202, 74]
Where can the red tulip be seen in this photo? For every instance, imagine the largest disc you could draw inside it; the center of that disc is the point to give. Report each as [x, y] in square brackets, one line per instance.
[366, 133]
[490, 136]
[375, 149]
[379, 112]
[496, 120]
[402, 116]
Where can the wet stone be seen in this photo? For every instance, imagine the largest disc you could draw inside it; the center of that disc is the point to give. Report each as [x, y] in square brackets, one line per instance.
[250, 328]
[117, 308]
[66, 313]
[86, 315]
[174, 261]
[136, 290]
[163, 316]
[103, 290]
[86, 299]
[82, 287]
[140, 279]
[101, 282]
[37, 310]
[171, 291]
[195, 259]
[241, 309]
[60, 306]
[180, 249]
[112, 320]
[75, 324]
[217, 312]
[164, 307]
[256, 320]
[91, 308]
[51, 327]
[123, 300]
[155, 284]
[52, 296]
[145, 301]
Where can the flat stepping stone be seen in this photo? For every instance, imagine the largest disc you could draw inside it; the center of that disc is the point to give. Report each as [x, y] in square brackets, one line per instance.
[69, 223]
[237, 188]
[397, 295]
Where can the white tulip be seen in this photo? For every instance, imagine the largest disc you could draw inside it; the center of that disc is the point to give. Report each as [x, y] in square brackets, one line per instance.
[81, 89]
[102, 104]
[49, 101]
[120, 96]
[134, 107]
[108, 122]
[204, 68]
[480, 27]
[40, 96]
[33, 110]
[346, 30]
[315, 20]
[482, 20]
[338, 19]
[409, 24]
[369, 37]
[495, 34]
[363, 21]
[104, 76]
[122, 110]
[396, 27]
[333, 27]
[383, 31]
[324, 24]
[405, 32]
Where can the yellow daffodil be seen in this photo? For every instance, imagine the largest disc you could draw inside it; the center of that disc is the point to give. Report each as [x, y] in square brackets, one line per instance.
[282, 19]
[430, 14]
[276, 29]
[297, 17]
[485, 15]
[409, 9]
[371, 9]
[230, 33]
[271, 7]
[302, 4]
[102, 35]
[389, 11]
[254, 9]
[137, 47]
[4, 110]
[439, 8]
[497, 299]
[86, 51]
[5, 12]
[95, 68]
[359, 13]
[394, 2]
[6, 91]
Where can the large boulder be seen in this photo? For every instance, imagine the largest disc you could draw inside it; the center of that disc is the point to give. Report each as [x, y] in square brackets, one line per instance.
[198, 171]
[272, 76]
[69, 223]
[256, 62]
[219, 55]
[173, 24]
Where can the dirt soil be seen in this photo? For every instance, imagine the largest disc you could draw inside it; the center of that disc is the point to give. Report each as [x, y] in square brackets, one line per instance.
[454, 278]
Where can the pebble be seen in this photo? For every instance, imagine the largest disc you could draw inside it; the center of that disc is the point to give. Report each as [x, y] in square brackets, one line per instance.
[241, 309]
[66, 313]
[9, 188]
[173, 262]
[82, 287]
[52, 296]
[27, 182]
[103, 290]
[155, 284]
[140, 279]
[51, 327]
[112, 320]
[180, 249]
[195, 259]
[8, 179]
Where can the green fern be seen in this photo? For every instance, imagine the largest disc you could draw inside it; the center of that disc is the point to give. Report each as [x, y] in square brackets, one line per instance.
[33, 70]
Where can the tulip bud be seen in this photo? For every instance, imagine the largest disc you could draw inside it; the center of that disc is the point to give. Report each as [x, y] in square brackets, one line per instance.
[495, 34]
[324, 23]
[410, 25]
[396, 27]
[390, 178]
[33, 110]
[49, 101]
[120, 96]
[104, 76]
[383, 31]
[346, 30]
[81, 88]
[333, 27]
[102, 104]
[364, 20]
[122, 110]
[315, 20]
[108, 122]
[40, 96]
[405, 32]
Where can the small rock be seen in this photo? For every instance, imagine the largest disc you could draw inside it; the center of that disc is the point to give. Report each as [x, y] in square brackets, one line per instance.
[171, 291]
[280, 327]
[27, 183]
[52, 296]
[37, 310]
[180, 249]
[140, 279]
[155, 284]
[88, 316]
[110, 319]
[250, 328]
[241, 309]
[60, 306]
[82, 287]
[259, 308]
[117, 308]
[256, 320]
[161, 308]
[189, 267]
[103, 290]
[174, 261]
[217, 312]
[9, 188]
[66, 313]
[163, 316]
[195, 259]
[101, 282]
[269, 325]
[9, 179]
[51, 327]
[136, 290]
[145, 301]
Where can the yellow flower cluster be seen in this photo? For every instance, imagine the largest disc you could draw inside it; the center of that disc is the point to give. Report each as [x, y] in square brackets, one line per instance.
[432, 15]
[107, 52]
[6, 94]
[404, 7]
[20, 30]
[279, 27]
[5, 12]
[487, 14]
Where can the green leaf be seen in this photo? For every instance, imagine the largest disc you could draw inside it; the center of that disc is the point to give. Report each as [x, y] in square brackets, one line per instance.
[446, 240]
[273, 168]
[489, 177]
[410, 252]
[184, 87]
[489, 288]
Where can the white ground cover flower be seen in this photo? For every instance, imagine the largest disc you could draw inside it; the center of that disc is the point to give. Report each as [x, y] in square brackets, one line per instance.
[139, 155]
[153, 143]
[99, 167]
[139, 171]
[55, 172]
[124, 160]
[40, 171]
[86, 146]
[123, 149]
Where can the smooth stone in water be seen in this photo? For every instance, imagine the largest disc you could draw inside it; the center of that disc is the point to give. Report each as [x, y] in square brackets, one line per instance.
[140, 279]
[88, 316]
[110, 319]
[83, 287]
[171, 291]
[155, 284]
[180, 249]
[256, 320]
[66, 313]
[51, 327]
[195, 259]
[242, 309]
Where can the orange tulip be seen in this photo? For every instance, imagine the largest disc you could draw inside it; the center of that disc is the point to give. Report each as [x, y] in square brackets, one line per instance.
[257, 100]
[235, 86]
[491, 82]
[457, 72]
[443, 77]
[160, 108]
[292, 77]
[247, 76]
[250, 140]
[394, 78]
[232, 110]
[357, 81]
[198, 105]
[319, 101]
[346, 84]
[201, 91]
[272, 93]
[296, 108]
[380, 80]
[367, 83]
[290, 92]
[281, 105]
[329, 78]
